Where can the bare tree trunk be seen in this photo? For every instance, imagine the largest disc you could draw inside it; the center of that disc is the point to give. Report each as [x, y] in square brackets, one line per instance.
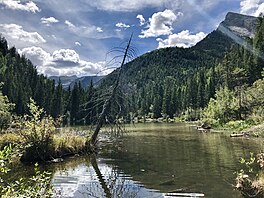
[108, 101]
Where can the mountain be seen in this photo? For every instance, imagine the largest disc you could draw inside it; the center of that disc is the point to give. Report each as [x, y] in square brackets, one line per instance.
[171, 80]
[173, 60]
[67, 81]
[164, 82]
[234, 29]
[240, 25]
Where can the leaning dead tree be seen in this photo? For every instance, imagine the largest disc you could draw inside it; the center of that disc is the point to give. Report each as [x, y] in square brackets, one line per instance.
[111, 96]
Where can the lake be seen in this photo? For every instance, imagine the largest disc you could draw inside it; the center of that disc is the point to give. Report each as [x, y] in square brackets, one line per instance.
[156, 160]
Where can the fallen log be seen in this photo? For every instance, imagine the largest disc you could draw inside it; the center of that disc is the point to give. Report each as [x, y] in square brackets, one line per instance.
[237, 135]
[183, 195]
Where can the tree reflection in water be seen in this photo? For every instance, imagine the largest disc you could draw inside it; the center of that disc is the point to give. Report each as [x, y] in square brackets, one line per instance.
[93, 179]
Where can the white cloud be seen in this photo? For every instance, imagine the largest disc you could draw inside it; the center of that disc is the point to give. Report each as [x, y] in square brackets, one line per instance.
[252, 7]
[85, 31]
[17, 5]
[260, 10]
[15, 31]
[182, 39]
[122, 25]
[49, 20]
[36, 54]
[61, 62]
[160, 24]
[69, 24]
[65, 55]
[99, 29]
[78, 43]
[131, 5]
[141, 19]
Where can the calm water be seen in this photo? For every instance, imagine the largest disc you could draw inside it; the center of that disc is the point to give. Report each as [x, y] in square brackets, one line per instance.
[152, 160]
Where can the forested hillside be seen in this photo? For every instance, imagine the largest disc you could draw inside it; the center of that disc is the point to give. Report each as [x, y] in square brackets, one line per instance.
[180, 82]
[165, 83]
[21, 81]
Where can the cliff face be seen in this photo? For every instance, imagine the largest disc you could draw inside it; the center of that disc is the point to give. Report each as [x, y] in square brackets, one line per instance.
[239, 25]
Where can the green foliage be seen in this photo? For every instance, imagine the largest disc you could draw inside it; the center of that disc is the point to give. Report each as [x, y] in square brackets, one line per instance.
[5, 159]
[238, 125]
[37, 130]
[255, 99]
[164, 82]
[250, 182]
[191, 114]
[249, 162]
[5, 111]
[36, 186]
[223, 107]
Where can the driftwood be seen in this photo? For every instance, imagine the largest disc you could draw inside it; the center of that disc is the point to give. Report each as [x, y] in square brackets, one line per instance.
[184, 195]
[237, 135]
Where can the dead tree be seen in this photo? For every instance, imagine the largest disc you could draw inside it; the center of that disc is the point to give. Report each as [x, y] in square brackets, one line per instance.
[107, 102]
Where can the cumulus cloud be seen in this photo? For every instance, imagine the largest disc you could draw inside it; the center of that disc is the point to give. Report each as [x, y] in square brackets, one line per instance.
[160, 24]
[61, 62]
[252, 7]
[183, 39]
[141, 19]
[122, 25]
[17, 5]
[36, 54]
[48, 21]
[65, 55]
[17, 32]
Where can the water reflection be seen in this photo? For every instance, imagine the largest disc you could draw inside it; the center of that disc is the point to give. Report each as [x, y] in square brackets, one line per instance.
[95, 178]
[152, 160]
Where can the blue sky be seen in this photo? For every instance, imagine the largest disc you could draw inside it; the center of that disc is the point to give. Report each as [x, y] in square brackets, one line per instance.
[72, 37]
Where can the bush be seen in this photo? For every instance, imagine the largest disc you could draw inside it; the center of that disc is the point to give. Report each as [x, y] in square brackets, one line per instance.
[238, 125]
[37, 131]
[5, 111]
[36, 186]
[212, 122]
[250, 182]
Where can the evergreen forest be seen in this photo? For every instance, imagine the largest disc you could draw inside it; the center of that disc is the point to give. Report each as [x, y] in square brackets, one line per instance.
[165, 83]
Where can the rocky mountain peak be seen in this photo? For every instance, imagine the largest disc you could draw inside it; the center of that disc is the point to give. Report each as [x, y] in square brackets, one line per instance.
[238, 24]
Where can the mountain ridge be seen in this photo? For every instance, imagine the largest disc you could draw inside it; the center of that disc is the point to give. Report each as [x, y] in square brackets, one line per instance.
[181, 78]
[69, 81]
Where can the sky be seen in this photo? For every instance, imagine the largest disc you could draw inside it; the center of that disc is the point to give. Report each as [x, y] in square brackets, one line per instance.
[74, 37]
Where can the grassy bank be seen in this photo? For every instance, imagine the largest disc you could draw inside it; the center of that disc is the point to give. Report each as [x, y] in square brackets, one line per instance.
[39, 140]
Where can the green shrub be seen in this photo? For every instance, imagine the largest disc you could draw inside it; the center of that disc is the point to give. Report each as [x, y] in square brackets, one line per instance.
[36, 186]
[238, 125]
[250, 182]
[5, 111]
[37, 131]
